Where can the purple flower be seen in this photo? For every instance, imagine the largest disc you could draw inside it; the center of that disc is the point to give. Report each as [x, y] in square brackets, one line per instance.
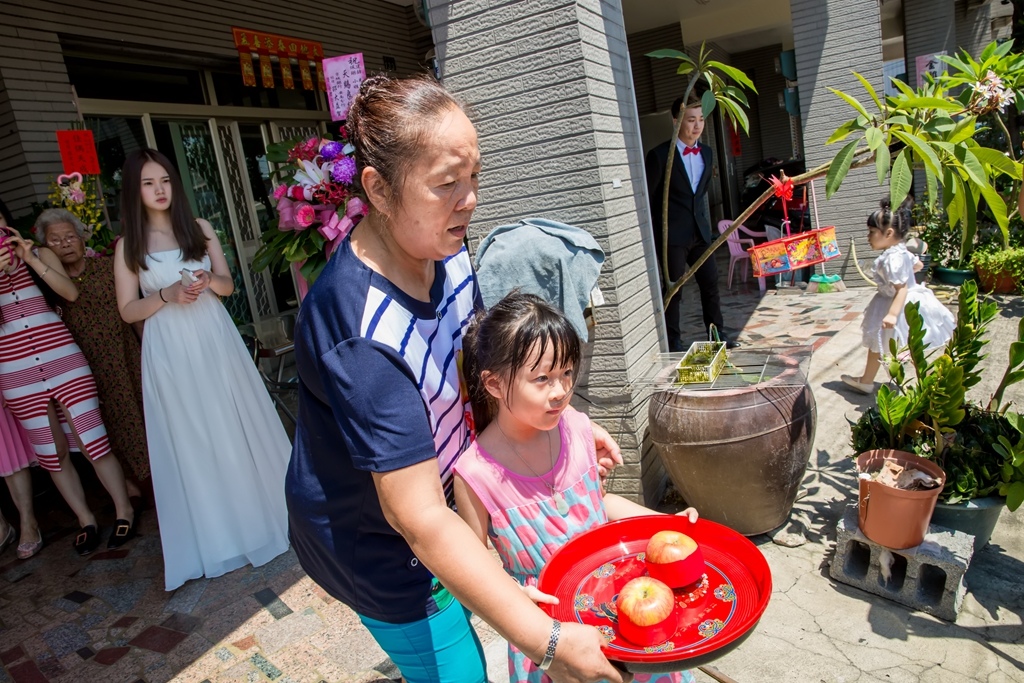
[331, 150]
[344, 170]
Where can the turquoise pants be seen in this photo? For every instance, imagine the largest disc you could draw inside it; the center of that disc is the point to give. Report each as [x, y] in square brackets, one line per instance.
[443, 648]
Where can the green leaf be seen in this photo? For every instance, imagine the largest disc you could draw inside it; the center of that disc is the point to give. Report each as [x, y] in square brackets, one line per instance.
[843, 131]
[996, 205]
[903, 87]
[838, 169]
[870, 89]
[707, 103]
[932, 187]
[964, 130]
[917, 102]
[874, 138]
[901, 179]
[882, 159]
[685, 68]
[671, 54]
[736, 114]
[733, 73]
[852, 101]
[923, 150]
[1015, 496]
[997, 160]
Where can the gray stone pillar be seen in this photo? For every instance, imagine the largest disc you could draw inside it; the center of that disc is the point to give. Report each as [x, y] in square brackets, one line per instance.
[826, 55]
[550, 88]
[929, 27]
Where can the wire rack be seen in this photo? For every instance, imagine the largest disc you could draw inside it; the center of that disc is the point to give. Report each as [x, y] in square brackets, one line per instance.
[744, 367]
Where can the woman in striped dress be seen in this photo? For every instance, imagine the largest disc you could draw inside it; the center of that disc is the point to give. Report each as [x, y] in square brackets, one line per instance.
[48, 386]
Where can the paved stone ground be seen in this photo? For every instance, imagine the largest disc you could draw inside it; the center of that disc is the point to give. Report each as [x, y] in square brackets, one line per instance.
[107, 618]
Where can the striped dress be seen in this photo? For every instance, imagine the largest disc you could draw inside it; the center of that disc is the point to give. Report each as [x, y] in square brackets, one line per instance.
[40, 363]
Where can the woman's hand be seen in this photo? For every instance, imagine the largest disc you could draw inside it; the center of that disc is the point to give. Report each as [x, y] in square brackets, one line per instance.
[690, 514]
[176, 294]
[608, 454]
[889, 322]
[539, 597]
[579, 658]
[22, 247]
[202, 281]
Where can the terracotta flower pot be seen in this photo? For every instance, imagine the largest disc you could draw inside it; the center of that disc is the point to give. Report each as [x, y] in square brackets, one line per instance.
[893, 517]
[1001, 282]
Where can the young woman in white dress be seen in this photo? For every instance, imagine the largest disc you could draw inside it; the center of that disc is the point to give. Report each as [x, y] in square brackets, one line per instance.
[217, 448]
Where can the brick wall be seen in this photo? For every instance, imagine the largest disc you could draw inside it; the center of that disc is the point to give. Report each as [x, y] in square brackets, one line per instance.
[825, 55]
[549, 83]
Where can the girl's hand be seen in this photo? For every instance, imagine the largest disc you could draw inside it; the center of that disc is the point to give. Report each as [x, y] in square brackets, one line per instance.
[889, 322]
[176, 294]
[608, 455]
[203, 281]
[539, 597]
[690, 514]
[5, 258]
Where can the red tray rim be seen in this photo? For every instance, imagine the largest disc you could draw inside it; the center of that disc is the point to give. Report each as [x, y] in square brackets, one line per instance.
[742, 629]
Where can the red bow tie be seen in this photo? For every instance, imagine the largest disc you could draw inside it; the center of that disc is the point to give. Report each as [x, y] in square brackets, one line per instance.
[691, 150]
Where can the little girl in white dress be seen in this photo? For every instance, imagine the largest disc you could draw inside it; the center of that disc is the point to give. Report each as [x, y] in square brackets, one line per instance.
[884, 318]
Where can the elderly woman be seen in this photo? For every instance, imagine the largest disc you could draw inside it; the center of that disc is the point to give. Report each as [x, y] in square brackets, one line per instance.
[110, 345]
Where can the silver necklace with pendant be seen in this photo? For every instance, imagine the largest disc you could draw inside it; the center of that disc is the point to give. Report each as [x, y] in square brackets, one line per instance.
[560, 503]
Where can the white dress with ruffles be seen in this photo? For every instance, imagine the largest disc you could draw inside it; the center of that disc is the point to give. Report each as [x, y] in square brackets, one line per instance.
[895, 267]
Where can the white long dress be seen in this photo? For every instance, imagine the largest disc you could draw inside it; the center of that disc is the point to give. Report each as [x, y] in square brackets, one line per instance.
[217, 448]
[895, 266]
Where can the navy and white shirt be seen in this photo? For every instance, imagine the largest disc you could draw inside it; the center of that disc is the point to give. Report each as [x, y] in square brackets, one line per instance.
[379, 390]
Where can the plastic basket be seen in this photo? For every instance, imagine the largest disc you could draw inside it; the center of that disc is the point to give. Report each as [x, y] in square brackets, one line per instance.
[794, 252]
[702, 362]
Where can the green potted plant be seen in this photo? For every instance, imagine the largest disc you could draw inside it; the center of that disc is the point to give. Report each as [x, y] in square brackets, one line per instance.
[981, 448]
[931, 226]
[1000, 271]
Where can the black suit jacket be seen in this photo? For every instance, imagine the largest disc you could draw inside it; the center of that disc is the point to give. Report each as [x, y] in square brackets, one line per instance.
[686, 218]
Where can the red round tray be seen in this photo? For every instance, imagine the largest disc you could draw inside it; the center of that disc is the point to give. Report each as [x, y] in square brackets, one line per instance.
[588, 571]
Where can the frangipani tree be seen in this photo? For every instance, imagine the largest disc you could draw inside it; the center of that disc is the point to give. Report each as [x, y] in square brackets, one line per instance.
[933, 129]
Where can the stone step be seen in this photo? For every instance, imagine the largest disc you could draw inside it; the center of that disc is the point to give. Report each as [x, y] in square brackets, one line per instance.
[928, 577]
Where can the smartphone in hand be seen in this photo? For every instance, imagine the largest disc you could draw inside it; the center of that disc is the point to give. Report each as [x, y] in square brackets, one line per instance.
[187, 278]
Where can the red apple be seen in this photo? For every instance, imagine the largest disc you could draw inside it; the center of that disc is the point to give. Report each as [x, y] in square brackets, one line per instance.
[646, 609]
[674, 558]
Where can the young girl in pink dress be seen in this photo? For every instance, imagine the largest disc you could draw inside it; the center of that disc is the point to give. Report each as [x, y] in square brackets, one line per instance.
[530, 481]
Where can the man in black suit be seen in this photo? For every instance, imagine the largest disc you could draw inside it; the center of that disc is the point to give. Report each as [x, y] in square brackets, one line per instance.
[689, 226]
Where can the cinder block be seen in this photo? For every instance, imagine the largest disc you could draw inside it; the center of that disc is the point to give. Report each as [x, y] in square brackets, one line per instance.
[928, 577]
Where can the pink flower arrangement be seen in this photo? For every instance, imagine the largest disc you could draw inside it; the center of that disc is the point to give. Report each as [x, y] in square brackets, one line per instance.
[317, 191]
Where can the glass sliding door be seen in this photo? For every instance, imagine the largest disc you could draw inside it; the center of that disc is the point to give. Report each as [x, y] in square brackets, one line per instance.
[189, 144]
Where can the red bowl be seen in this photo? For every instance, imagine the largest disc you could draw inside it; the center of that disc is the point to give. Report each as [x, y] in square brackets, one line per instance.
[587, 573]
[680, 573]
[649, 636]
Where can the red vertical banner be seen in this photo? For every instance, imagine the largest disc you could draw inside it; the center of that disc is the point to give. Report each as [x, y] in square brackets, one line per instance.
[78, 152]
[248, 73]
[307, 78]
[735, 144]
[321, 83]
[287, 78]
[266, 71]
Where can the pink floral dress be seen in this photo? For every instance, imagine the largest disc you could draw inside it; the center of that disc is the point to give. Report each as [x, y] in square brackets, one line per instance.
[526, 527]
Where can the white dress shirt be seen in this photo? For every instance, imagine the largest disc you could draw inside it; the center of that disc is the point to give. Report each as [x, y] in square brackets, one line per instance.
[693, 163]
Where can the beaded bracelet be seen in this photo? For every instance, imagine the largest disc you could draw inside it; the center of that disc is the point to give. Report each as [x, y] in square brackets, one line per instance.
[549, 655]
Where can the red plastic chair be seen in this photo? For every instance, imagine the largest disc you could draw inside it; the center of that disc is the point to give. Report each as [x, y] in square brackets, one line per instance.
[738, 251]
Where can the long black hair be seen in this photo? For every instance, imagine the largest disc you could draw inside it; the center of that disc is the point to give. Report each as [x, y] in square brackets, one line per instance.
[515, 331]
[187, 233]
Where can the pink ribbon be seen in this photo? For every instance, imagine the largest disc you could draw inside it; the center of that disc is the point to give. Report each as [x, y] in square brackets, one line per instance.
[286, 214]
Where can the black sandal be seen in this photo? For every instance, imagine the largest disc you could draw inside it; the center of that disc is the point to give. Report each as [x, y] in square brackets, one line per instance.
[87, 540]
[124, 531]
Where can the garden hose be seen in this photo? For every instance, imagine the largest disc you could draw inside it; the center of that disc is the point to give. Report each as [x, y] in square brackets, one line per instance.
[853, 253]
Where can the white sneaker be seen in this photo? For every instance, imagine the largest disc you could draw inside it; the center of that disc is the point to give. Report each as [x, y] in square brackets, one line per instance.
[855, 384]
